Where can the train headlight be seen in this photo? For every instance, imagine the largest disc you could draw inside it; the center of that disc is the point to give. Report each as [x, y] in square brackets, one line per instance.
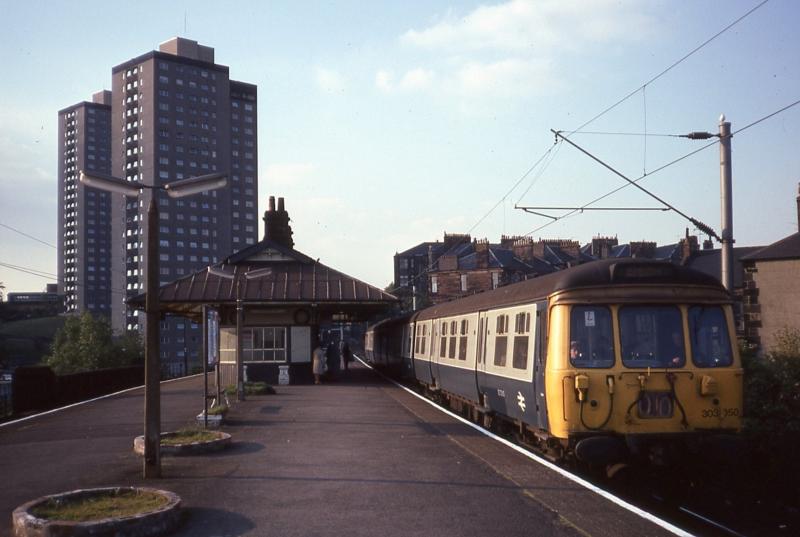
[708, 385]
[581, 386]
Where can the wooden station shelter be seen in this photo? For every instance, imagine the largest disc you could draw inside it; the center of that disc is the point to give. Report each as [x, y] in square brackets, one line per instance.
[270, 300]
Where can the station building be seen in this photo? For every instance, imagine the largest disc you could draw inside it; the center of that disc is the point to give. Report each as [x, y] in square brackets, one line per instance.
[270, 301]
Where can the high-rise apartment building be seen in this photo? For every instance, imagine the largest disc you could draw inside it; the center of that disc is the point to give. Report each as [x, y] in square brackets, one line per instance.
[175, 114]
[84, 214]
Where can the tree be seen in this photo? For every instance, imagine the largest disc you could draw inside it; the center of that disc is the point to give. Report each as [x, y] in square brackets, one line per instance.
[2, 288]
[86, 343]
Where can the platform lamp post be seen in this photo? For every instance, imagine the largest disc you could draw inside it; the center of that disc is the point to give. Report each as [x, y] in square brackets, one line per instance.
[152, 360]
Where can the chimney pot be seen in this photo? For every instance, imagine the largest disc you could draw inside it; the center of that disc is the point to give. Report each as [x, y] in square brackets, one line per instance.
[276, 224]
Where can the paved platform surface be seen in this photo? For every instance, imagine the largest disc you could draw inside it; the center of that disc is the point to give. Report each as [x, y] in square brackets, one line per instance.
[354, 457]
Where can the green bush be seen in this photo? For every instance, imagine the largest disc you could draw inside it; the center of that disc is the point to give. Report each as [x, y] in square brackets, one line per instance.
[252, 388]
[772, 387]
[772, 416]
[218, 410]
[86, 343]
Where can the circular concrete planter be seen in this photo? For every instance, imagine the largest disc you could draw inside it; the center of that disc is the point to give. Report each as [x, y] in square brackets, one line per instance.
[221, 441]
[151, 523]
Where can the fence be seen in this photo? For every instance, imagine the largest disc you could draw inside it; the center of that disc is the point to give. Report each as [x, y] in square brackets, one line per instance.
[38, 388]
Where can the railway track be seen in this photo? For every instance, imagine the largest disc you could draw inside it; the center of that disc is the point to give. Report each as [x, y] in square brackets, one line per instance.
[703, 509]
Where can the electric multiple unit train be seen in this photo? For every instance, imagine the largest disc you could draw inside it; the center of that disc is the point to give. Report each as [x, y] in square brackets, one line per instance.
[606, 362]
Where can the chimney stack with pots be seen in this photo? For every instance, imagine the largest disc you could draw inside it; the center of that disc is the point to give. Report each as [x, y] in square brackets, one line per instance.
[276, 224]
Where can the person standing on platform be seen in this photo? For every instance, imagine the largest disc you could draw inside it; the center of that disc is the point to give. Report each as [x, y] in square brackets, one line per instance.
[332, 355]
[318, 362]
[347, 356]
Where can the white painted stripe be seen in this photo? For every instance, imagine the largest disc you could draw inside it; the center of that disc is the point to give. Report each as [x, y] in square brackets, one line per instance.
[53, 411]
[544, 462]
[709, 521]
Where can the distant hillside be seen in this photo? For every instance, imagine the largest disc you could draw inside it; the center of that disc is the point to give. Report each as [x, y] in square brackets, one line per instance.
[45, 327]
[27, 342]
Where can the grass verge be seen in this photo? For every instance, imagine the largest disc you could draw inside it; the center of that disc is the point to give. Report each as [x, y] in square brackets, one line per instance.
[97, 507]
[187, 436]
[252, 388]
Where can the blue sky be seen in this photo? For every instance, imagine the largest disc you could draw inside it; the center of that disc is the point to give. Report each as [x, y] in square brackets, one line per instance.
[385, 124]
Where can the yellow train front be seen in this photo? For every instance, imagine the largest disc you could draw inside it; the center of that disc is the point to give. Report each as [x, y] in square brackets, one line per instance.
[606, 362]
[641, 362]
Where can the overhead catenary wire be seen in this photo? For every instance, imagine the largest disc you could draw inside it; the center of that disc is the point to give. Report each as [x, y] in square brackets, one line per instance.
[50, 276]
[540, 172]
[626, 185]
[28, 270]
[26, 235]
[641, 134]
[628, 96]
[507, 194]
[631, 182]
[662, 167]
[670, 67]
[768, 116]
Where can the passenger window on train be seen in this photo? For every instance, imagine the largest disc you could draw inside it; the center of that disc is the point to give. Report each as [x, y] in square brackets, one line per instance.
[708, 334]
[520, 358]
[652, 336]
[443, 341]
[502, 324]
[501, 341]
[462, 340]
[591, 341]
[500, 350]
[522, 323]
[453, 341]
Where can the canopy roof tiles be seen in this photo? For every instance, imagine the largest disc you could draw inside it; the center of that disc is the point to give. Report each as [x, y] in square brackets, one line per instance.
[271, 282]
[267, 272]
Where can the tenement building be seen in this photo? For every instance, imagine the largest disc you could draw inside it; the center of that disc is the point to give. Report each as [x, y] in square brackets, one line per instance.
[176, 114]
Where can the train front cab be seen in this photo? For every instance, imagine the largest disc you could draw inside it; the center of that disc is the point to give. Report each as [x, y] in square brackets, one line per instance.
[641, 371]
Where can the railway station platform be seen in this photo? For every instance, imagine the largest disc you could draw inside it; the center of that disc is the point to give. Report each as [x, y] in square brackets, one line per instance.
[358, 456]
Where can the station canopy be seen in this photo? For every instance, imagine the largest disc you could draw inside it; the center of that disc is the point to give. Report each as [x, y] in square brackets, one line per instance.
[271, 274]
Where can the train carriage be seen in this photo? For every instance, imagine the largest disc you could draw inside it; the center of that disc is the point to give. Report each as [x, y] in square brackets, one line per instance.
[603, 361]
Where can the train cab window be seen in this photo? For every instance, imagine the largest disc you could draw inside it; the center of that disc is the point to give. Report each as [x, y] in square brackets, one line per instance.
[591, 338]
[708, 334]
[443, 341]
[501, 341]
[651, 336]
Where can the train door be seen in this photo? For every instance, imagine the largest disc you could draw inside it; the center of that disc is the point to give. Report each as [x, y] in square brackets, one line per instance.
[539, 364]
[422, 360]
[406, 354]
[480, 359]
[434, 354]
